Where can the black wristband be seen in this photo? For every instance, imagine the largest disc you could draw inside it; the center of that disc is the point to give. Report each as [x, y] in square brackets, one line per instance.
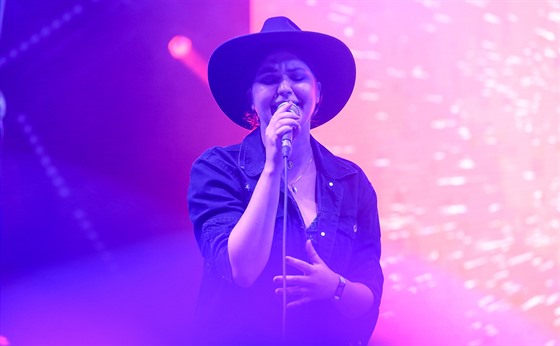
[339, 288]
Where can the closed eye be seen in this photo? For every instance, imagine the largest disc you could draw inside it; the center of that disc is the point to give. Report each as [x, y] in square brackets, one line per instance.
[298, 76]
[268, 78]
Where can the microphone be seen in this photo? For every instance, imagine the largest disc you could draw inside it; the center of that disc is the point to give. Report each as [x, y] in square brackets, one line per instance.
[288, 136]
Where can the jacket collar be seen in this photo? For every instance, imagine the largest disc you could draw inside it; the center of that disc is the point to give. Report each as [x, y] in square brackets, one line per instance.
[252, 158]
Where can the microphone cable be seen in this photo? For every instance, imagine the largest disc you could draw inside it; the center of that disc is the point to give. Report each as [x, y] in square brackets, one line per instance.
[286, 152]
[284, 232]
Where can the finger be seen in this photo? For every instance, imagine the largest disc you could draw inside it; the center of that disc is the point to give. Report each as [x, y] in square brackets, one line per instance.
[298, 302]
[286, 119]
[286, 127]
[313, 255]
[287, 107]
[292, 291]
[284, 107]
[279, 116]
[303, 266]
[292, 280]
[285, 113]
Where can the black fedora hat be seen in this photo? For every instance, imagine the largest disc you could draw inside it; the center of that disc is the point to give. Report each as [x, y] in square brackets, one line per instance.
[233, 66]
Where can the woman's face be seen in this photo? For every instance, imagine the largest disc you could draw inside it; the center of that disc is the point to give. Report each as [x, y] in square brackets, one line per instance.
[283, 77]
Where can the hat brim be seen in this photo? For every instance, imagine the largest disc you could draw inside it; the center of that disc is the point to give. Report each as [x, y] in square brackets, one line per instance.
[232, 68]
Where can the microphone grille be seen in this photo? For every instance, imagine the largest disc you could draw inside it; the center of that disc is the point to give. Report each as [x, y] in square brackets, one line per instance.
[294, 108]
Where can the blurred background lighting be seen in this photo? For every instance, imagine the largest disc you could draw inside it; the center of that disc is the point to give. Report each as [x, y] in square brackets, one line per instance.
[180, 46]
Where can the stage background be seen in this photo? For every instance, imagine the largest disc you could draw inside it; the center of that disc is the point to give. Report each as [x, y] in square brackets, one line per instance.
[454, 118]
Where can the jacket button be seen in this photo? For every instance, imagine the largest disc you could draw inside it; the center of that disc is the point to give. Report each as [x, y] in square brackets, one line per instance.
[331, 183]
[323, 234]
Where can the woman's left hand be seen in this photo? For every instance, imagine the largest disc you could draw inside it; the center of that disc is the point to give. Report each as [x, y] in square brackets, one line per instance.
[317, 282]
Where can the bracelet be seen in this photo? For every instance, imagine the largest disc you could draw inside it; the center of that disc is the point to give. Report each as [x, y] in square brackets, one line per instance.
[339, 288]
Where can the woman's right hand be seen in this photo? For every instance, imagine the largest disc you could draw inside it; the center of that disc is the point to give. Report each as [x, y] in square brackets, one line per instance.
[281, 122]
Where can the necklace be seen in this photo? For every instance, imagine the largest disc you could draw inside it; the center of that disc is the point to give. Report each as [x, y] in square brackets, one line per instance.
[290, 164]
[292, 185]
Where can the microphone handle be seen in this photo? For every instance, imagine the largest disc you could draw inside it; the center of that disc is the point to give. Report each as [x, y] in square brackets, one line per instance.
[287, 144]
[287, 137]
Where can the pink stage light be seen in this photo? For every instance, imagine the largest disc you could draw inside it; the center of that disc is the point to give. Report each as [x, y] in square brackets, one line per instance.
[455, 119]
[182, 49]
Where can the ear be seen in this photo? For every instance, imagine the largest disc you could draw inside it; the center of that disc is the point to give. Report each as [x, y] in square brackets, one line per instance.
[250, 99]
[319, 94]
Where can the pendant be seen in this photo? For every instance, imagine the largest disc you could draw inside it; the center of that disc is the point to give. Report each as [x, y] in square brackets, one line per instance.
[293, 188]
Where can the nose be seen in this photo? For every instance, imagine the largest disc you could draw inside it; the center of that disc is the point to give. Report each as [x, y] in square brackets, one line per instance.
[284, 88]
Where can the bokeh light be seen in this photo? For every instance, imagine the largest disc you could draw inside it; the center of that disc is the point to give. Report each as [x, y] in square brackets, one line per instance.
[455, 119]
[179, 46]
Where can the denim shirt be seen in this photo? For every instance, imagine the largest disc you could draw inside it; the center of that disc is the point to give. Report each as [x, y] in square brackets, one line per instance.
[346, 235]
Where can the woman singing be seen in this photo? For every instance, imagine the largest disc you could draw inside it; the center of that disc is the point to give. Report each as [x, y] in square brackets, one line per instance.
[280, 83]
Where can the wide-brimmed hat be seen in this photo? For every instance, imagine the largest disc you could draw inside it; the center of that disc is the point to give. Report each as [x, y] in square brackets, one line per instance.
[233, 66]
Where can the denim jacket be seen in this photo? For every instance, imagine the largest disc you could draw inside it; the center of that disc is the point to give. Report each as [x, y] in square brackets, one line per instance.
[346, 236]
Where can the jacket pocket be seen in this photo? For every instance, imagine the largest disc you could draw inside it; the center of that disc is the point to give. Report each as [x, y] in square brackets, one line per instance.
[344, 242]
